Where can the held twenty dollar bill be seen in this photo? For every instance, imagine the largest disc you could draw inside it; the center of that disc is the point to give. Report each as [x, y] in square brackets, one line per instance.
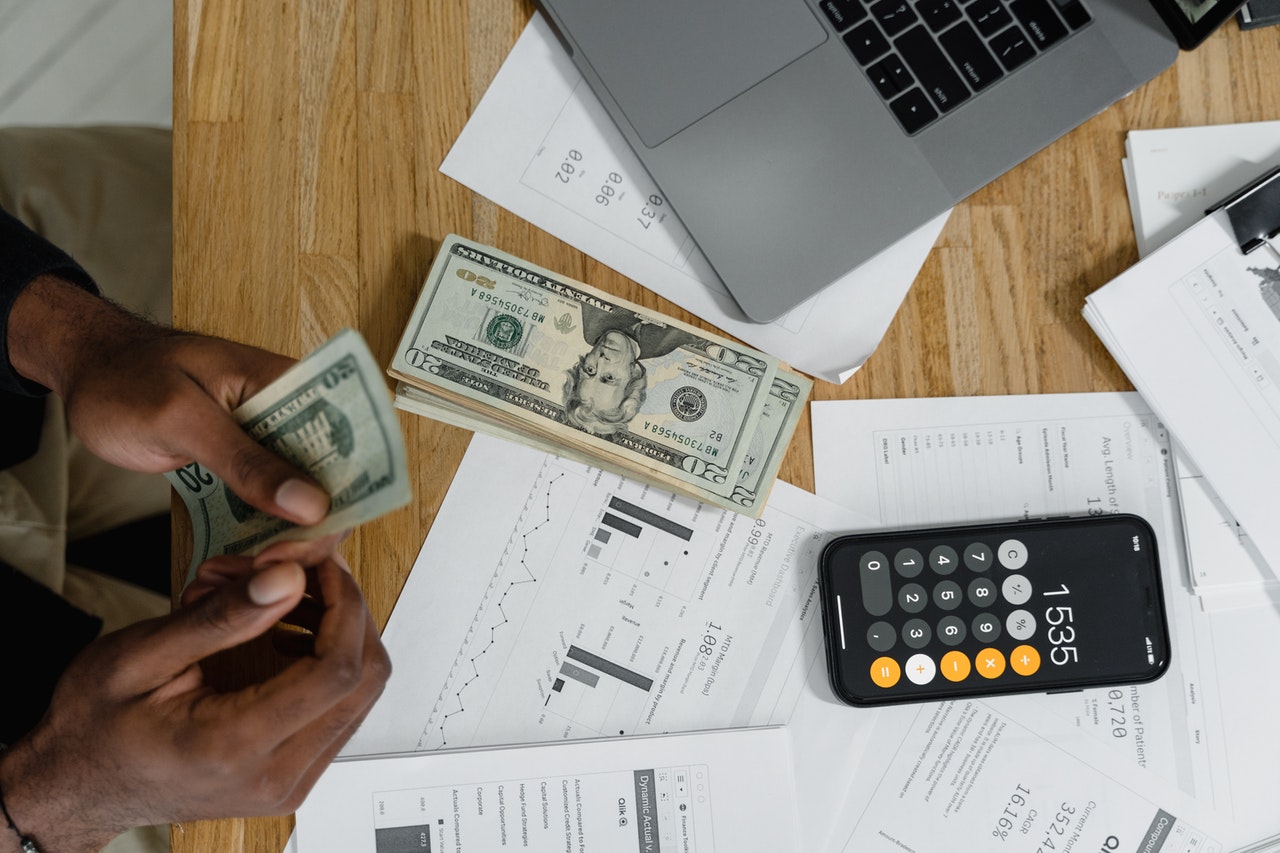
[331, 416]
[542, 358]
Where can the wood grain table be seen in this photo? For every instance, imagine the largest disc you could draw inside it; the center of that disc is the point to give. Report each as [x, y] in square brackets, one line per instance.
[307, 197]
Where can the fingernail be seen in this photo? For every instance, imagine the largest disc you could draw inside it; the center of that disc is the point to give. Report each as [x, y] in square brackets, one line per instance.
[302, 500]
[276, 583]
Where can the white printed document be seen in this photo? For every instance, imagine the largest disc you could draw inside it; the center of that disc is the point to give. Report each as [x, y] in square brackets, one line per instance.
[1174, 174]
[541, 145]
[1196, 328]
[554, 601]
[970, 775]
[1207, 723]
[716, 791]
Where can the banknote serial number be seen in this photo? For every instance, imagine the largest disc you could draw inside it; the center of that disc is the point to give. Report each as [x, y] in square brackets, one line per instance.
[691, 442]
[508, 306]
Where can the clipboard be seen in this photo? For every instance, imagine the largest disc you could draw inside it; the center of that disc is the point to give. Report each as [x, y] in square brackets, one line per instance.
[1195, 326]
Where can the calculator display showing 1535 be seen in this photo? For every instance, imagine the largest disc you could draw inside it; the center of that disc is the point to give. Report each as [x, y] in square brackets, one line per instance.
[1044, 605]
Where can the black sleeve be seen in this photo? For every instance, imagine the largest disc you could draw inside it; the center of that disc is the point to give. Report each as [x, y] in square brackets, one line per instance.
[24, 257]
[40, 633]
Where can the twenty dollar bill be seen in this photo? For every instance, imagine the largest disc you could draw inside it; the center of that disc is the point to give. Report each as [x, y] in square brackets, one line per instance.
[504, 346]
[330, 415]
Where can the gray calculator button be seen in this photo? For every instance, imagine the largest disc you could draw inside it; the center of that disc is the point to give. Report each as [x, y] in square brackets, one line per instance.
[916, 633]
[912, 598]
[908, 562]
[951, 630]
[1020, 624]
[948, 595]
[1016, 589]
[943, 559]
[877, 597]
[982, 592]
[986, 627]
[978, 557]
[881, 636]
[1012, 554]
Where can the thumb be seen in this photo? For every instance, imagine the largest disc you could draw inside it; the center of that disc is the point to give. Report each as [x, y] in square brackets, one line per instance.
[255, 474]
[222, 619]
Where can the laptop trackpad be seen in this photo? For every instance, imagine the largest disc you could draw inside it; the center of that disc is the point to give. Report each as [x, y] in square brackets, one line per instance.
[668, 63]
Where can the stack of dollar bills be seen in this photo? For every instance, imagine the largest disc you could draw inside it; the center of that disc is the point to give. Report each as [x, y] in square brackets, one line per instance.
[331, 416]
[499, 345]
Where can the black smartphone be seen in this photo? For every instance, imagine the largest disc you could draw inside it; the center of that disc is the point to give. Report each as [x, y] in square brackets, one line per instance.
[1046, 605]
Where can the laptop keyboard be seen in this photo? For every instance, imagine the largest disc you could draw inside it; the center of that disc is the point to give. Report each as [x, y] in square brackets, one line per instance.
[927, 57]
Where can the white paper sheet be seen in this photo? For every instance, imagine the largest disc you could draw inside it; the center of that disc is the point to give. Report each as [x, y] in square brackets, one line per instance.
[1207, 723]
[540, 145]
[553, 601]
[972, 775]
[1172, 175]
[1177, 173]
[1196, 328]
[717, 791]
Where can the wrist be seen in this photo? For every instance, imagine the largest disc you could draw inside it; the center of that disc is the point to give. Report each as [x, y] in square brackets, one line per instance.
[57, 329]
[41, 813]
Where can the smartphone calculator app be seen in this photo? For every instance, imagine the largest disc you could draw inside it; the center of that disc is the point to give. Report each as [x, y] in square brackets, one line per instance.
[1048, 605]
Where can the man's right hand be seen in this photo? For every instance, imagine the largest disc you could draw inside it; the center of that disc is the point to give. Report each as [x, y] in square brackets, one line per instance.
[135, 736]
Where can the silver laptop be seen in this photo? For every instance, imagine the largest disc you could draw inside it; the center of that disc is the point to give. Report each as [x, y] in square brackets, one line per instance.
[798, 138]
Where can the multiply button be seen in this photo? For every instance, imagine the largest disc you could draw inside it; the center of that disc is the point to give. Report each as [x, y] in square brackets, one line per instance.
[1024, 660]
[921, 669]
[989, 663]
[955, 666]
[1013, 554]
[885, 672]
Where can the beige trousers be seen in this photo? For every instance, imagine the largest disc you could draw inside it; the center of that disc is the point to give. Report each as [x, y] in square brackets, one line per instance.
[103, 195]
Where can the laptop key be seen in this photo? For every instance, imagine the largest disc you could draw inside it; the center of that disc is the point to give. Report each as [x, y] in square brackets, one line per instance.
[930, 65]
[967, 50]
[913, 110]
[843, 13]
[894, 15]
[1012, 48]
[1073, 12]
[938, 14]
[866, 43]
[890, 76]
[1039, 21]
[989, 16]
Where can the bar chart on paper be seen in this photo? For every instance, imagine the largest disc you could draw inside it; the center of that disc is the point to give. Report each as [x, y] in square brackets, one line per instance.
[616, 608]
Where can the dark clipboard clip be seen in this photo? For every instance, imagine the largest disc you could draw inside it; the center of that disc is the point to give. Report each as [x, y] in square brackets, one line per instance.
[1254, 213]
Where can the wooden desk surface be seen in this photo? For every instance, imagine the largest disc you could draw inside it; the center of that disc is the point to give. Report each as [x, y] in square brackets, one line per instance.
[307, 138]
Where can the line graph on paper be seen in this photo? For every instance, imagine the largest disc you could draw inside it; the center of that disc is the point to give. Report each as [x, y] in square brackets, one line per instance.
[575, 621]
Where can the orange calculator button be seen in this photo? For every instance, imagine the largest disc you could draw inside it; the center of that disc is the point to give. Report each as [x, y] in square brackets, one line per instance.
[885, 672]
[990, 663]
[955, 666]
[1024, 660]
